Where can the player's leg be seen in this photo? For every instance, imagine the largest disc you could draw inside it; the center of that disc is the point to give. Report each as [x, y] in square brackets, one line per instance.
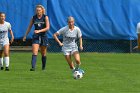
[138, 41]
[1, 59]
[77, 59]
[6, 56]
[69, 61]
[67, 54]
[43, 50]
[35, 48]
[78, 62]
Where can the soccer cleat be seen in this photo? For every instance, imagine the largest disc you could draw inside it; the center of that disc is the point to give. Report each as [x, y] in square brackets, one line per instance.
[6, 69]
[73, 70]
[76, 69]
[32, 69]
[2, 68]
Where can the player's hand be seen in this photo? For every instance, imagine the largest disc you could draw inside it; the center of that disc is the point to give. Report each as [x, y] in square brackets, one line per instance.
[60, 44]
[12, 40]
[24, 38]
[37, 31]
[81, 48]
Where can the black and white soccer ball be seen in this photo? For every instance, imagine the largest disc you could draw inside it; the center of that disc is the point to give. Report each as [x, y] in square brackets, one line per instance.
[77, 74]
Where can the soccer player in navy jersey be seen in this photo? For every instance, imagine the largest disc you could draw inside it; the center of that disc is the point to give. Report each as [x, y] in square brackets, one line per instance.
[39, 39]
[5, 27]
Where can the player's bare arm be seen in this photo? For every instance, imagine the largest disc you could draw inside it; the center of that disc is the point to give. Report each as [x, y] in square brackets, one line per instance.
[12, 36]
[28, 30]
[57, 40]
[81, 43]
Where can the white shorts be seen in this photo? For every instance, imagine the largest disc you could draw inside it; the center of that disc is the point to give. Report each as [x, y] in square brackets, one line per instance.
[2, 44]
[69, 51]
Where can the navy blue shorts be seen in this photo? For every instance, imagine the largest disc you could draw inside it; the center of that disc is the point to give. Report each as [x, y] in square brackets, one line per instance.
[41, 40]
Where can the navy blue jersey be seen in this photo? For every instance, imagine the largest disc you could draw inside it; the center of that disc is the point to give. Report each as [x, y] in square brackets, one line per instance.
[39, 23]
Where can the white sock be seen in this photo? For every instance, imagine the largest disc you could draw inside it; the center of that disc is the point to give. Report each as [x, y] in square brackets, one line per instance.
[6, 60]
[1, 62]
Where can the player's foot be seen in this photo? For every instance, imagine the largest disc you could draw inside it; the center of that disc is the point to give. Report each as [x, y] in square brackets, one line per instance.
[43, 68]
[73, 70]
[6, 69]
[2, 68]
[76, 69]
[32, 69]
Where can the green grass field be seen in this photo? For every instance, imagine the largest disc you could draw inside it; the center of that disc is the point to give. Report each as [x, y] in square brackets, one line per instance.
[104, 73]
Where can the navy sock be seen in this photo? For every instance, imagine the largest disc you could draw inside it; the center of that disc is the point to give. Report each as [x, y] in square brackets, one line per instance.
[33, 62]
[44, 58]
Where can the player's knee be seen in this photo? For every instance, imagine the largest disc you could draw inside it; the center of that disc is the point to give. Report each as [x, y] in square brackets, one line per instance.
[35, 52]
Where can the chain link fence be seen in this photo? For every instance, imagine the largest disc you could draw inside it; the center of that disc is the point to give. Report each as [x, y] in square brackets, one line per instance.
[104, 46]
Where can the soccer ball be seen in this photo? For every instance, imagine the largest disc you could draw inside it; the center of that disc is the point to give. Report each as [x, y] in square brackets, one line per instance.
[77, 74]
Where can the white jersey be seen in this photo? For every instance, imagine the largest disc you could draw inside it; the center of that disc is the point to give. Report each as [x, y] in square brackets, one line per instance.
[69, 37]
[138, 28]
[4, 28]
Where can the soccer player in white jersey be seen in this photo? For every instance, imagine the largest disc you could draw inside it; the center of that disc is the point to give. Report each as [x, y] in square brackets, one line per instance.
[138, 32]
[138, 40]
[70, 34]
[4, 41]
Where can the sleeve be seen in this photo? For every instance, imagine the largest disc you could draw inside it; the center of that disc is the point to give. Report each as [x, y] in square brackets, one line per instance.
[9, 26]
[79, 34]
[61, 31]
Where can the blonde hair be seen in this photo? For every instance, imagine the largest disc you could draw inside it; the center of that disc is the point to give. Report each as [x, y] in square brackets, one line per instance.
[42, 7]
[70, 18]
[2, 13]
